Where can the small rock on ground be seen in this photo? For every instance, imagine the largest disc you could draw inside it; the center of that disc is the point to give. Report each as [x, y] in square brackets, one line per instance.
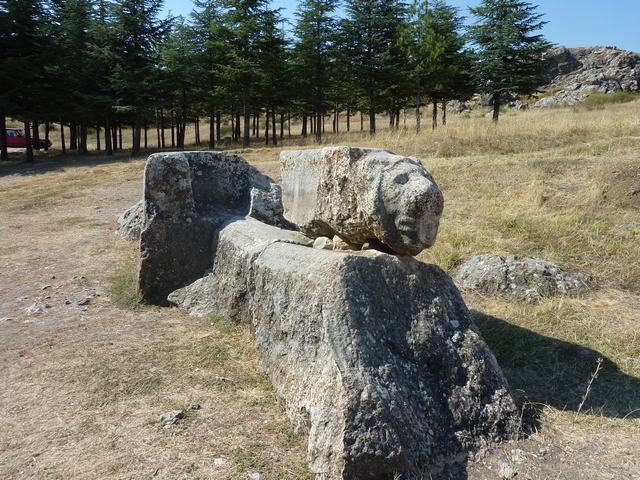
[171, 418]
[506, 471]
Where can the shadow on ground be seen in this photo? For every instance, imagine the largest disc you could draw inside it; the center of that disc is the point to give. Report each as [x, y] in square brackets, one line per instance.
[546, 371]
[53, 161]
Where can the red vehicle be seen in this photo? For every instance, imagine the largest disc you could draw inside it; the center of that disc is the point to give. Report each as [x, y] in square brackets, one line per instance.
[16, 139]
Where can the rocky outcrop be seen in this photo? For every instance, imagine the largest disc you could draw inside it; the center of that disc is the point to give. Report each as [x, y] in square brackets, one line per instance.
[520, 278]
[576, 73]
[187, 197]
[375, 356]
[131, 222]
[362, 194]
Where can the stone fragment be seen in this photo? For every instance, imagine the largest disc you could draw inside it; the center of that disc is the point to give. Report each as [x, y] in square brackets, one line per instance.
[188, 195]
[506, 471]
[266, 206]
[36, 308]
[521, 278]
[171, 418]
[323, 243]
[518, 456]
[131, 222]
[362, 194]
[376, 356]
[218, 462]
[84, 301]
[340, 244]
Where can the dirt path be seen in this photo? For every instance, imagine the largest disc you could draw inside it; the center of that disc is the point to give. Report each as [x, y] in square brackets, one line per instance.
[84, 378]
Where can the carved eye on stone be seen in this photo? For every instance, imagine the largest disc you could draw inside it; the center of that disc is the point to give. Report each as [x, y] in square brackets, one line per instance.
[401, 179]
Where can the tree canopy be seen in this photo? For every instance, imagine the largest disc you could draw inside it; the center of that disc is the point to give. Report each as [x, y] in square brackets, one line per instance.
[98, 66]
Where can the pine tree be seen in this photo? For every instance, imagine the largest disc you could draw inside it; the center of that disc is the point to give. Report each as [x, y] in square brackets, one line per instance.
[178, 55]
[372, 28]
[139, 32]
[313, 53]
[510, 52]
[102, 62]
[208, 42]
[273, 67]
[440, 65]
[25, 79]
[4, 77]
[242, 21]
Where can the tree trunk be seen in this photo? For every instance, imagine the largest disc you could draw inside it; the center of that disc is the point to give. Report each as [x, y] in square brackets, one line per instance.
[372, 119]
[253, 125]
[27, 137]
[304, 125]
[274, 126]
[46, 136]
[162, 129]
[73, 135]
[258, 125]
[36, 134]
[496, 107]
[233, 126]
[136, 130]
[62, 143]
[114, 136]
[218, 122]
[158, 129]
[319, 130]
[418, 112]
[146, 129]
[212, 129]
[266, 128]
[288, 124]
[246, 103]
[173, 133]
[197, 131]
[434, 122]
[361, 121]
[444, 111]
[281, 126]
[4, 153]
[83, 137]
[120, 136]
[238, 134]
[348, 119]
[107, 136]
[98, 146]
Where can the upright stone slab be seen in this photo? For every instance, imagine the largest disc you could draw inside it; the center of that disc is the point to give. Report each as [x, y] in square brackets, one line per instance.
[188, 195]
[376, 356]
[362, 195]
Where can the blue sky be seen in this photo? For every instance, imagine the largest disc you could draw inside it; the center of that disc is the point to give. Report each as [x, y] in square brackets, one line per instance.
[574, 23]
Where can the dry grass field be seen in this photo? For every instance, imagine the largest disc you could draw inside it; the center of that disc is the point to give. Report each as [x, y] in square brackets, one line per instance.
[86, 371]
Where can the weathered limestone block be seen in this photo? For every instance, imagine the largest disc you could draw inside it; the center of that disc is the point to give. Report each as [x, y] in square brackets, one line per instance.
[520, 278]
[188, 195]
[266, 206]
[132, 221]
[362, 194]
[376, 356]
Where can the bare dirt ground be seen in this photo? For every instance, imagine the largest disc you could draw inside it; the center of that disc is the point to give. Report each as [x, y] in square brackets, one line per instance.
[85, 374]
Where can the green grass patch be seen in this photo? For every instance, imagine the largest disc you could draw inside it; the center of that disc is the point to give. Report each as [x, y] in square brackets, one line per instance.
[124, 288]
[598, 100]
